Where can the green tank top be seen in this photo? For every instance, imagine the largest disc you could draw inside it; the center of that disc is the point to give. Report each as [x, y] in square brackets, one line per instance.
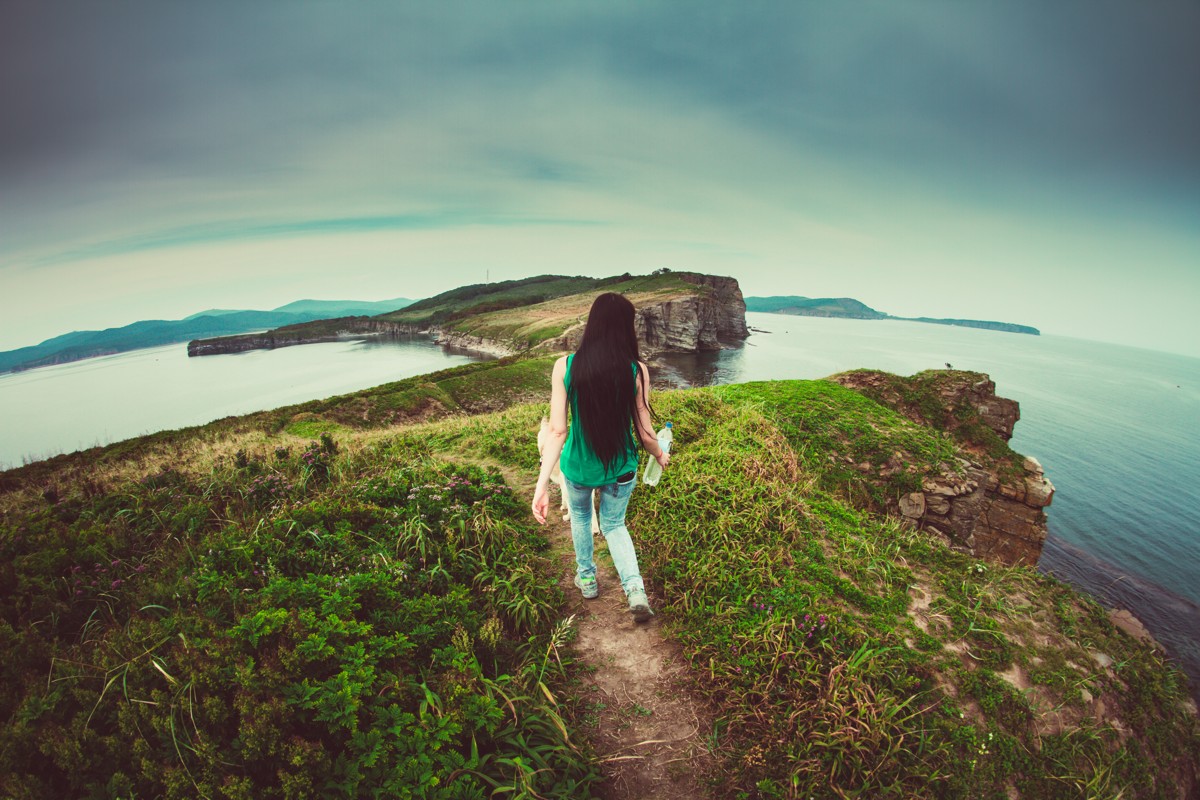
[579, 464]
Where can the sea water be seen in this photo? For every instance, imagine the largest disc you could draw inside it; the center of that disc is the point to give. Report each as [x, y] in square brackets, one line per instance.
[68, 407]
[1116, 428]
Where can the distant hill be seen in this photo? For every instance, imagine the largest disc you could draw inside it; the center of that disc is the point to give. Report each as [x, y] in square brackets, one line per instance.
[324, 309]
[78, 345]
[848, 308]
[1007, 327]
[214, 312]
[345, 308]
[814, 307]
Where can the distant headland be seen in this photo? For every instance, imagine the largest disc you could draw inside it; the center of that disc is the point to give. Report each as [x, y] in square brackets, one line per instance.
[849, 308]
[79, 345]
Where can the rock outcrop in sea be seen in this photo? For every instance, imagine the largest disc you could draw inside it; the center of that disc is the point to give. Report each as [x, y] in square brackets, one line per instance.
[989, 507]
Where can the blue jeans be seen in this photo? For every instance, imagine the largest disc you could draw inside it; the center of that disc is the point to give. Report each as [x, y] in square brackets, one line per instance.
[614, 497]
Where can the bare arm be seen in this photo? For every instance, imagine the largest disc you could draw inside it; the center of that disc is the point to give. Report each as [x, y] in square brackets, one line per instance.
[557, 435]
[645, 426]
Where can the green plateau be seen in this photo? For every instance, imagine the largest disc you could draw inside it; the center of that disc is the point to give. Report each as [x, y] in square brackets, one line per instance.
[349, 597]
[516, 315]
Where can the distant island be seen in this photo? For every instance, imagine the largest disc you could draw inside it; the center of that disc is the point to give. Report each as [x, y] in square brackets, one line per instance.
[849, 308]
[78, 345]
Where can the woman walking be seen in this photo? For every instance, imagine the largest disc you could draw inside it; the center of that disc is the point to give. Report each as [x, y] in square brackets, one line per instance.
[606, 388]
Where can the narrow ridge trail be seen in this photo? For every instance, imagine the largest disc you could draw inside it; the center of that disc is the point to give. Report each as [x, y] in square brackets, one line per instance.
[648, 731]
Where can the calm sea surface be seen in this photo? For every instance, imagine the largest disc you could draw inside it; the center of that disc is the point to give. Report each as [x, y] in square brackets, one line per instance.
[70, 407]
[1117, 429]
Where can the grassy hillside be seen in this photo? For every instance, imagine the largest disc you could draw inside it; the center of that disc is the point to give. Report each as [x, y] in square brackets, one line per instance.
[350, 595]
[528, 312]
[479, 298]
[518, 314]
[469, 388]
[470, 301]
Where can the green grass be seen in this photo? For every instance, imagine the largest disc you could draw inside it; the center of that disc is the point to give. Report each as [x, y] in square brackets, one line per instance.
[833, 430]
[311, 427]
[750, 548]
[919, 396]
[322, 624]
[483, 298]
[331, 599]
[479, 299]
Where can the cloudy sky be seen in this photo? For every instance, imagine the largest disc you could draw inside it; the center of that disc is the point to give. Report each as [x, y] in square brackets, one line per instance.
[1022, 161]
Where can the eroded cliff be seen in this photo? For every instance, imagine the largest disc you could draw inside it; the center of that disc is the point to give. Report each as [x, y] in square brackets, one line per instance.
[709, 317]
[713, 318]
[992, 502]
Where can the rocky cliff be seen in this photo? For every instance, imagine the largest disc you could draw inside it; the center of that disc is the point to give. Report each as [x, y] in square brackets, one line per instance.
[710, 318]
[992, 502]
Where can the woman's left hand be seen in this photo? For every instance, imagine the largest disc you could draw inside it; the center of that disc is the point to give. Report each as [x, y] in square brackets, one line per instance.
[541, 503]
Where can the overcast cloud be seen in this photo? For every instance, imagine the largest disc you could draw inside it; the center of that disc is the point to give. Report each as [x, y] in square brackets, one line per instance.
[1021, 161]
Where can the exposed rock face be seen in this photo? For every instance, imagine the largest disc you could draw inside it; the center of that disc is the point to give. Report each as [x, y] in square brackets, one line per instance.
[984, 508]
[1001, 519]
[707, 321]
[713, 318]
[466, 341]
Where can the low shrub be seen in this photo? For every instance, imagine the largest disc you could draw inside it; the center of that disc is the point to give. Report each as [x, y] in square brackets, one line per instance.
[338, 634]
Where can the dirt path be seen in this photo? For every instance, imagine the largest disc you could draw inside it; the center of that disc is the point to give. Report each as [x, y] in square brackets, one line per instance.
[648, 731]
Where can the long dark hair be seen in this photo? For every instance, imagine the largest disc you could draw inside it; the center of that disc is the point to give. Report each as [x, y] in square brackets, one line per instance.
[603, 383]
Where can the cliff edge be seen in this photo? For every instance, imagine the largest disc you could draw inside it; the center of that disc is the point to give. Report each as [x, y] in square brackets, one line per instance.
[989, 502]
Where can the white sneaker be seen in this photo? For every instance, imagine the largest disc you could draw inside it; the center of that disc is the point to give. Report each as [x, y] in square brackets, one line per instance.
[639, 606]
[589, 588]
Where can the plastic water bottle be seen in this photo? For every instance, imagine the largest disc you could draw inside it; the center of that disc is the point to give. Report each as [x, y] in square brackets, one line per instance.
[653, 470]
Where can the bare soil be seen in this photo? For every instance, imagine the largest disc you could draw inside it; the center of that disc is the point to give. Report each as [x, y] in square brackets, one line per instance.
[647, 729]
